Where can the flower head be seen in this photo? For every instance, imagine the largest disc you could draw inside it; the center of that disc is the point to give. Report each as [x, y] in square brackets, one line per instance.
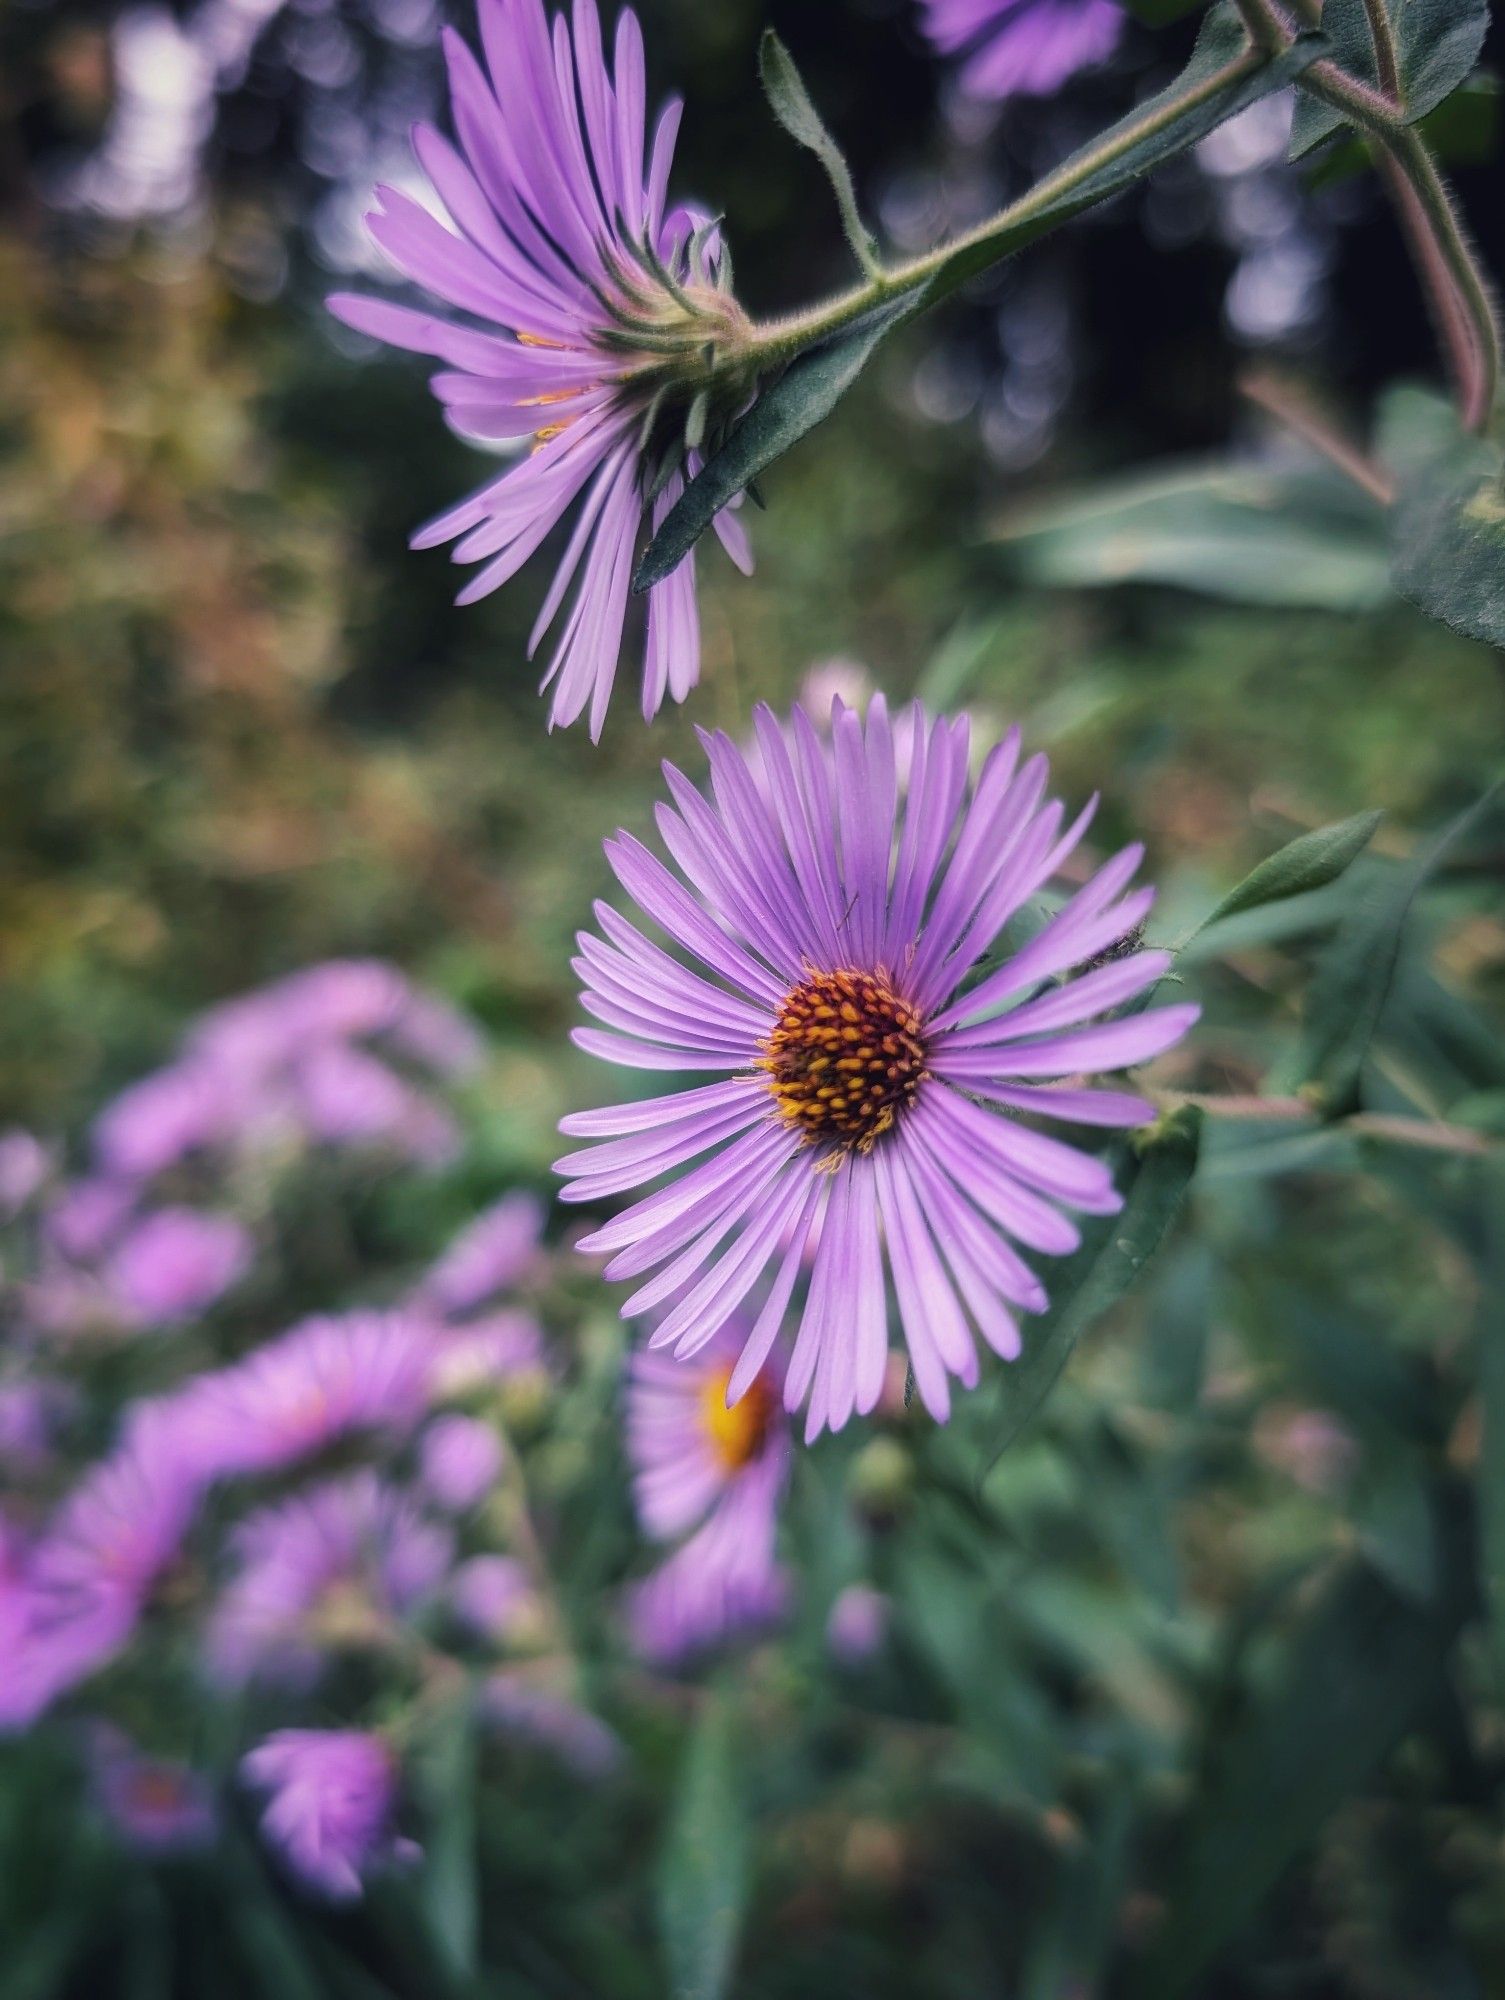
[488, 1256]
[460, 1461]
[606, 331]
[332, 1799]
[284, 1402]
[329, 1567]
[174, 1263]
[1022, 48]
[157, 1805]
[830, 964]
[721, 1583]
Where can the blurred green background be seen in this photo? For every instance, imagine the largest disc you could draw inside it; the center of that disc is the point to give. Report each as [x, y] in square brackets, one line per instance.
[1175, 1702]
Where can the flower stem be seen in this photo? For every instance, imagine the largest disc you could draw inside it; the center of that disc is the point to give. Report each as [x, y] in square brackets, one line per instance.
[940, 271]
[1289, 407]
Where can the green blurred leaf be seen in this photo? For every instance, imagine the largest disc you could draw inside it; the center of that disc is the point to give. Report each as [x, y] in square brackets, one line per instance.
[449, 1885]
[1113, 1251]
[1242, 533]
[1437, 45]
[1309, 862]
[1490, 1476]
[813, 384]
[795, 111]
[1354, 977]
[704, 1865]
[1448, 541]
[1350, 1680]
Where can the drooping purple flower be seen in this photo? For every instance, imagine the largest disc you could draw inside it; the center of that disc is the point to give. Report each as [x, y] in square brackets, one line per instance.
[175, 1263]
[487, 1257]
[323, 1379]
[867, 1068]
[331, 1806]
[158, 1805]
[334, 1566]
[1022, 48]
[460, 1461]
[594, 309]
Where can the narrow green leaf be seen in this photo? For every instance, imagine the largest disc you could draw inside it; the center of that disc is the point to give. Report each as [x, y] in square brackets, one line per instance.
[793, 107]
[807, 391]
[1114, 1250]
[1223, 77]
[1437, 44]
[1309, 862]
[1355, 975]
[1448, 546]
[449, 1886]
[1352, 1677]
[703, 1868]
[1490, 1477]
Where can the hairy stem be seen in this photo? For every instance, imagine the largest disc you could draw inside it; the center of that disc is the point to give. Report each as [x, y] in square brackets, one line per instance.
[1289, 407]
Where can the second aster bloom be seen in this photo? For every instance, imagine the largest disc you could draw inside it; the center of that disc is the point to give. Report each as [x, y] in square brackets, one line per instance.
[604, 330]
[831, 970]
[1022, 48]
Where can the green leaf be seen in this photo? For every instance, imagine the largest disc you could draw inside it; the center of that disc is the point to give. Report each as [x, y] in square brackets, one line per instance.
[1448, 538]
[703, 1870]
[1309, 862]
[1351, 1679]
[449, 1885]
[795, 111]
[1223, 77]
[1490, 1476]
[1242, 533]
[1355, 975]
[1437, 44]
[1113, 1251]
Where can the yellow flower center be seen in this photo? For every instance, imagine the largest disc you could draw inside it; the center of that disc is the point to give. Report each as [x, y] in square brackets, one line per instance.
[735, 1435]
[845, 1056]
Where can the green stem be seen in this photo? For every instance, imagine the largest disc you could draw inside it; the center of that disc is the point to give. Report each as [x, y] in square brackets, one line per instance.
[1382, 118]
[774, 341]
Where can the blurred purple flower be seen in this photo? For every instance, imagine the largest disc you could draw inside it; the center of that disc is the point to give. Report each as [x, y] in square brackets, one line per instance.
[31, 1412]
[493, 1596]
[87, 1216]
[329, 1568]
[1022, 48]
[858, 1624]
[159, 1121]
[498, 1347]
[596, 306]
[834, 976]
[513, 1702]
[332, 1801]
[158, 1805]
[723, 1583]
[460, 1461]
[175, 1263]
[493, 1253]
[25, 1164]
[291, 1398]
[347, 1097]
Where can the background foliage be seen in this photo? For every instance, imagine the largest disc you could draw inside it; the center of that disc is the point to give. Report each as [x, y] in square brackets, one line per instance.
[1199, 1688]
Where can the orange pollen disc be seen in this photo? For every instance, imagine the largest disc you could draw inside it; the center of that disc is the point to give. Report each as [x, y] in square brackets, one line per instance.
[735, 1435]
[845, 1056]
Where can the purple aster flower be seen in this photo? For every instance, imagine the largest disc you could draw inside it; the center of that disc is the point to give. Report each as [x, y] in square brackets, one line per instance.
[296, 1395]
[87, 1216]
[858, 1624]
[518, 1705]
[1022, 48]
[688, 1446]
[868, 1063]
[32, 1411]
[176, 1262]
[345, 1096]
[493, 1596]
[158, 1805]
[25, 1164]
[332, 1567]
[722, 1583]
[161, 1120]
[460, 1461]
[332, 1801]
[594, 309]
[484, 1259]
[86, 1581]
[498, 1347]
